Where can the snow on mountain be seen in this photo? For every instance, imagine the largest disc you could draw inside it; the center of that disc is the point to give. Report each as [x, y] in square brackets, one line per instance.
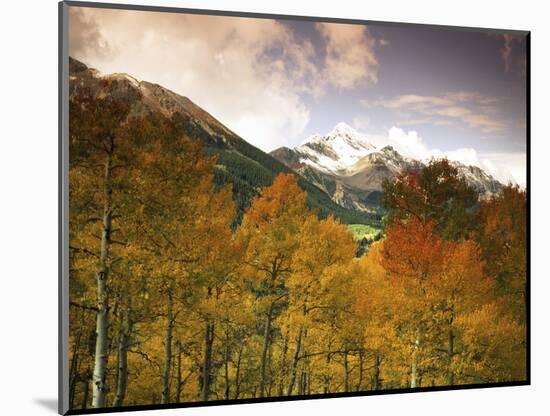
[351, 170]
[478, 179]
[339, 149]
[238, 162]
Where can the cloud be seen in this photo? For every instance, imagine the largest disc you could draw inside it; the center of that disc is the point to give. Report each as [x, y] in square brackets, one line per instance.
[360, 122]
[85, 36]
[251, 74]
[248, 73]
[350, 57]
[409, 143]
[505, 167]
[419, 102]
[472, 109]
[414, 121]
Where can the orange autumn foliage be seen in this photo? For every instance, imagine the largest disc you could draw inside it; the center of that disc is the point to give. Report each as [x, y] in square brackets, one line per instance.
[206, 308]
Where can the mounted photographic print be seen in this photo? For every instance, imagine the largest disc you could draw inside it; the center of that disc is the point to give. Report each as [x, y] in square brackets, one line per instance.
[262, 208]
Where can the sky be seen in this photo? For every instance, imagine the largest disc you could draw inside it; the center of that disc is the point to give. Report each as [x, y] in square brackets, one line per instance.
[428, 92]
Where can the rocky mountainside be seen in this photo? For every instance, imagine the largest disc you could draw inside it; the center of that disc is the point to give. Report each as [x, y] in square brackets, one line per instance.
[248, 168]
[351, 170]
[146, 98]
[337, 150]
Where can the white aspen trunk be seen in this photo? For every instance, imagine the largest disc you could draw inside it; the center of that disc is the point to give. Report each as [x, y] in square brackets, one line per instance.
[414, 365]
[102, 323]
[124, 342]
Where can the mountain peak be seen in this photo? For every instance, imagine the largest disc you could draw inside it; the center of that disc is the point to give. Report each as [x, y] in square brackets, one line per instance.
[337, 150]
[343, 129]
[145, 97]
[340, 131]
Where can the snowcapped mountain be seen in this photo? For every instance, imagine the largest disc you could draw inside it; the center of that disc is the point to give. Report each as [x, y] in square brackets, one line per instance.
[338, 150]
[477, 178]
[246, 167]
[342, 171]
[351, 170]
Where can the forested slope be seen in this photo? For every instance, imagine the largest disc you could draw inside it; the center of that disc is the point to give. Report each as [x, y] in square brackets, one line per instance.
[246, 167]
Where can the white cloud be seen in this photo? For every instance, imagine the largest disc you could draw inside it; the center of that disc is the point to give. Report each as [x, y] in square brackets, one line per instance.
[472, 109]
[251, 74]
[505, 167]
[248, 73]
[409, 144]
[350, 58]
[466, 155]
[360, 122]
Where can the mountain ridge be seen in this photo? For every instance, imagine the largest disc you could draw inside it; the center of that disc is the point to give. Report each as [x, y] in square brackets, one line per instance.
[246, 167]
[351, 170]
